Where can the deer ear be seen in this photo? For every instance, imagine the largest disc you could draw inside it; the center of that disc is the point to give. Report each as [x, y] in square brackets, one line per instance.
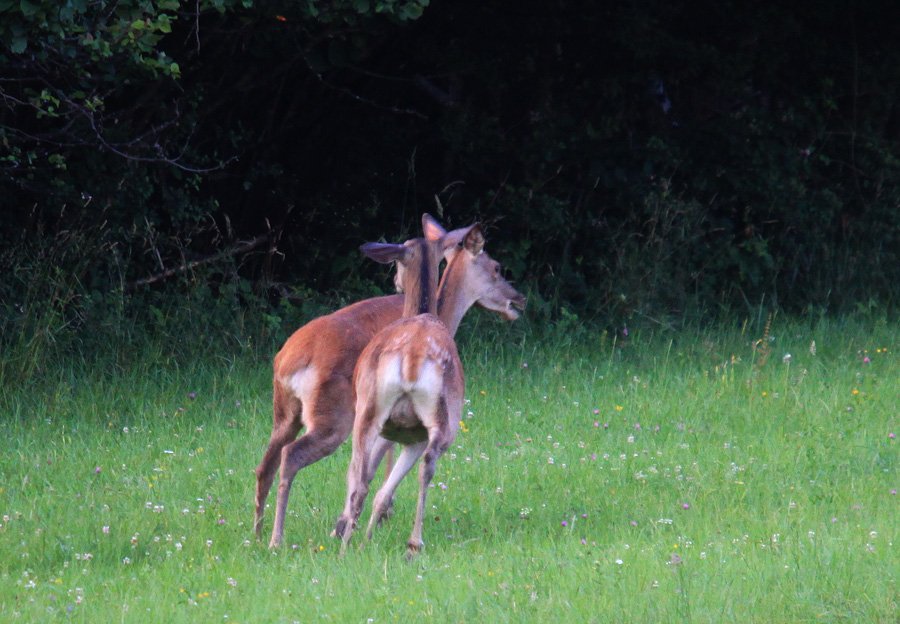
[453, 238]
[385, 253]
[474, 240]
[451, 252]
[432, 229]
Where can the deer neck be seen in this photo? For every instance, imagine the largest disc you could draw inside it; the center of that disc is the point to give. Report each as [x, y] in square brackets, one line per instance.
[420, 292]
[453, 300]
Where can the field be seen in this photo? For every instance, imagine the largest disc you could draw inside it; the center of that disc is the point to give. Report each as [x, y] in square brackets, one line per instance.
[732, 474]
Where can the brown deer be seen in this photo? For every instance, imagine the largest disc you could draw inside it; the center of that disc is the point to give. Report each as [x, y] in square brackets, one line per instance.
[409, 382]
[312, 388]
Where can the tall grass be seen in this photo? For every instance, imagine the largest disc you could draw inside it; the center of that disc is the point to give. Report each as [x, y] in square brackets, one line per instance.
[699, 476]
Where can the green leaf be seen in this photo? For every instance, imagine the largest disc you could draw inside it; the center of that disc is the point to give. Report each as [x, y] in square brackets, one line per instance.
[58, 161]
[29, 9]
[164, 24]
[19, 43]
[411, 12]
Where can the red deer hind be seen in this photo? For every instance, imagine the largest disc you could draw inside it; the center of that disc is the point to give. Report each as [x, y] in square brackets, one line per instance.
[409, 381]
[312, 388]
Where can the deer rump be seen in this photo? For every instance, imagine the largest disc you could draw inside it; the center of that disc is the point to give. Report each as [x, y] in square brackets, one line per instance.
[413, 370]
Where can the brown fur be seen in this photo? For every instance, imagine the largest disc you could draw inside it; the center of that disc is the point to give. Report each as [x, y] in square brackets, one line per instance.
[333, 343]
[419, 408]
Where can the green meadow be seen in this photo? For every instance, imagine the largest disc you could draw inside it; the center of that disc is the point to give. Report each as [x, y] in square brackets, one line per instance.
[736, 473]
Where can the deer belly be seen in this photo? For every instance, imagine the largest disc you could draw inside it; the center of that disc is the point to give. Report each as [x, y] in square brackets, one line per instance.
[404, 430]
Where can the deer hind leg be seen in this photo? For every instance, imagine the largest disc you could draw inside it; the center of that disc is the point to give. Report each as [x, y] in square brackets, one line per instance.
[286, 425]
[329, 420]
[385, 497]
[437, 445]
[359, 475]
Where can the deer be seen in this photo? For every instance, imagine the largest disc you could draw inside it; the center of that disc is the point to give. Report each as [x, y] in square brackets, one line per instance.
[409, 380]
[312, 386]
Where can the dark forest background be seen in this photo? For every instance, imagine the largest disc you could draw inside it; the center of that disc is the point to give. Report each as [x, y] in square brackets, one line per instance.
[213, 164]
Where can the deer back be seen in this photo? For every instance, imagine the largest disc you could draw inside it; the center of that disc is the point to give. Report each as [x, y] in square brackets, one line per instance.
[333, 342]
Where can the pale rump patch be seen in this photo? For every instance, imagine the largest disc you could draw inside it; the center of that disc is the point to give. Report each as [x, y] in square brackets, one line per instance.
[303, 383]
[427, 391]
[394, 379]
[405, 399]
[389, 371]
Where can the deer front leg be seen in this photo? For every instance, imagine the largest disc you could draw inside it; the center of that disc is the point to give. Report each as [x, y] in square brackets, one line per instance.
[382, 449]
[385, 496]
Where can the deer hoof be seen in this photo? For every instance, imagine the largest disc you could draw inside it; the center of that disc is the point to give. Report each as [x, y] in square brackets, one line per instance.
[413, 550]
[342, 528]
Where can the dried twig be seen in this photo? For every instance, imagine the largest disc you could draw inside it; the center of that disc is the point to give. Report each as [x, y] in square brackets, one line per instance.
[187, 266]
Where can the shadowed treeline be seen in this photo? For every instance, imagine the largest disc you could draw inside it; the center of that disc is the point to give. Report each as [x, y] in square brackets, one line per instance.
[632, 161]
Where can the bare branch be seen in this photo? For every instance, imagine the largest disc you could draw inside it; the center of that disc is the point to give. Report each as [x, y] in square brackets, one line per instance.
[359, 98]
[187, 266]
[159, 159]
[439, 95]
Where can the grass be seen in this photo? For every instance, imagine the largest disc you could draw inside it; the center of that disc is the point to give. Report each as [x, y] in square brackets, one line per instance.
[687, 477]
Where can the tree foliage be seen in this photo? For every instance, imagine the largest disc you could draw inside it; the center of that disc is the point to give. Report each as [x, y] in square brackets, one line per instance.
[640, 159]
